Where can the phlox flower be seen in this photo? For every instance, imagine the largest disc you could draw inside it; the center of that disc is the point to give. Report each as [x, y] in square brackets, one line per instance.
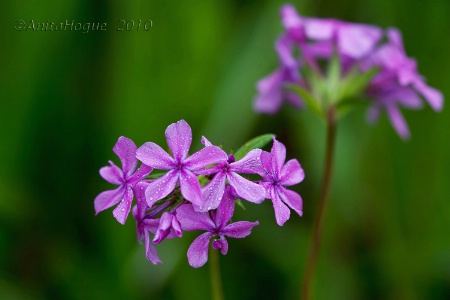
[276, 176]
[397, 83]
[228, 171]
[215, 223]
[180, 168]
[126, 178]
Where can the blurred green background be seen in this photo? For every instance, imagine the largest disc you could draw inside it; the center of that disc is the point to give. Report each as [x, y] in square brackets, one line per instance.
[67, 96]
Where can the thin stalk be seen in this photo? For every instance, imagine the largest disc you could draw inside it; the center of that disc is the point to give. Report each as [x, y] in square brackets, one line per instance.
[319, 217]
[214, 271]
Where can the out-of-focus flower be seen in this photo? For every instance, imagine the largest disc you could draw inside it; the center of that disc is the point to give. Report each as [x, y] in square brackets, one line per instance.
[397, 83]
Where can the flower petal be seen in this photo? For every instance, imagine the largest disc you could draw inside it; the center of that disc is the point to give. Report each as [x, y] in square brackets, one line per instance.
[123, 209]
[433, 96]
[141, 204]
[246, 189]
[150, 251]
[164, 227]
[161, 187]
[125, 149]
[225, 210]
[292, 199]
[140, 174]
[291, 173]
[221, 244]
[107, 199]
[113, 174]
[190, 187]
[213, 192]
[179, 139]
[198, 251]
[278, 157]
[239, 229]
[191, 220]
[154, 156]
[397, 121]
[205, 157]
[282, 212]
[266, 162]
[249, 164]
[357, 40]
[269, 99]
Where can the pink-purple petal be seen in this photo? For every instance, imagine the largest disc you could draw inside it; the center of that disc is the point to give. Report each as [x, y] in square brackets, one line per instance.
[108, 199]
[179, 139]
[292, 199]
[278, 157]
[161, 187]
[239, 229]
[140, 174]
[191, 220]
[150, 251]
[125, 149]
[221, 244]
[213, 192]
[190, 187]
[113, 174]
[225, 210]
[291, 173]
[246, 189]
[249, 164]
[282, 212]
[154, 156]
[198, 251]
[123, 209]
[205, 157]
[397, 120]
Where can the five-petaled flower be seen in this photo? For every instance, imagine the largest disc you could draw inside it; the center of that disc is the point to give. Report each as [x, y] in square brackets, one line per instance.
[215, 224]
[276, 176]
[180, 168]
[125, 149]
[227, 171]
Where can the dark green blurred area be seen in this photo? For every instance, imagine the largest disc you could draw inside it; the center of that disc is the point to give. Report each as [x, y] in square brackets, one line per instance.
[67, 96]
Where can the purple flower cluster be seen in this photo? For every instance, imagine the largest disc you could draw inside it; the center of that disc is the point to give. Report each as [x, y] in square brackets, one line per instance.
[195, 192]
[307, 42]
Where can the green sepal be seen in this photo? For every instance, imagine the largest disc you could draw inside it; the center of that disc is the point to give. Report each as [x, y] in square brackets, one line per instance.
[355, 82]
[257, 142]
[310, 101]
[239, 203]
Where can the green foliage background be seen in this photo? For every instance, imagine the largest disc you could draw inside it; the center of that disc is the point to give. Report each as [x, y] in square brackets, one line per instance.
[67, 96]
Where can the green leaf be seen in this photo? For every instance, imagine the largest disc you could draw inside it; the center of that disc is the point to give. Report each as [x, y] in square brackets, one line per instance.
[310, 101]
[257, 142]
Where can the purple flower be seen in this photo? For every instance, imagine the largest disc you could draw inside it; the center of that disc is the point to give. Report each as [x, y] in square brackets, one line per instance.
[180, 168]
[276, 176]
[397, 83]
[125, 149]
[216, 225]
[228, 171]
[168, 224]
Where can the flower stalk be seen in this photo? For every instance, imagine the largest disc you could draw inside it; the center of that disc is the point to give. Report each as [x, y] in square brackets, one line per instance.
[216, 280]
[319, 217]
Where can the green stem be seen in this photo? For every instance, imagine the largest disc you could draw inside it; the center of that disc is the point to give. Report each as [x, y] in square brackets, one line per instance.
[216, 281]
[319, 217]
